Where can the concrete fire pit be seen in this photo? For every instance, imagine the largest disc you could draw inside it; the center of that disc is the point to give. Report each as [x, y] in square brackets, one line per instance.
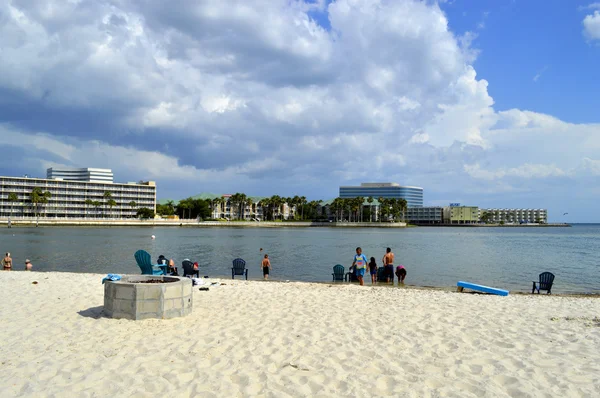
[148, 296]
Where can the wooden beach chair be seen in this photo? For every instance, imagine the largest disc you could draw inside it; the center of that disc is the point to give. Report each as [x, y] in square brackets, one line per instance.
[545, 283]
[480, 288]
[144, 261]
[239, 268]
[339, 273]
[188, 269]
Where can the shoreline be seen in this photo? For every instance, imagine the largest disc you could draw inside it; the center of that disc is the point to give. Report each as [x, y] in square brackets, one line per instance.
[247, 338]
[448, 289]
[20, 223]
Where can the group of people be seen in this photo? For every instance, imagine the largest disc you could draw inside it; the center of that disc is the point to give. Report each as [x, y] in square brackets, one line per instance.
[7, 263]
[360, 266]
[172, 268]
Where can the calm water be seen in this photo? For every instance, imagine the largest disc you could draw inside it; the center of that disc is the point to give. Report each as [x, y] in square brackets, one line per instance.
[503, 257]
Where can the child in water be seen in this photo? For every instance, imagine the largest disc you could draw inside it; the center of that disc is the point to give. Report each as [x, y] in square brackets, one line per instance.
[373, 270]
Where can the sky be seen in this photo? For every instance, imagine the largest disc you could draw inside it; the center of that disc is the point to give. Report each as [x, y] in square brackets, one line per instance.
[486, 103]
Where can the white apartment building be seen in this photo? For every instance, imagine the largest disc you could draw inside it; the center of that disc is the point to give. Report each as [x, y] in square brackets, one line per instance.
[84, 174]
[515, 216]
[71, 199]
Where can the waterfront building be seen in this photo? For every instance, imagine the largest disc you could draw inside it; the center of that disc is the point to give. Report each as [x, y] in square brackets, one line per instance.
[425, 215]
[412, 195]
[456, 214]
[75, 199]
[514, 216]
[77, 174]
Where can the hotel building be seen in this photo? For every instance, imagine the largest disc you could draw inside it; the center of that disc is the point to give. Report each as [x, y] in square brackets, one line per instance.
[68, 198]
[412, 195]
[425, 215]
[456, 214]
[515, 216]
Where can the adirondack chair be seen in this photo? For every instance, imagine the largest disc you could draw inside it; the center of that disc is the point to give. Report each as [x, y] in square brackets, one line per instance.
[188, 269]
[338, 273]
[545, 283]
[144, 261]
[239, 268]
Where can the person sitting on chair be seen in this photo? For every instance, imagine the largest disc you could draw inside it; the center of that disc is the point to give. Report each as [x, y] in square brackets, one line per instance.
[173, 268]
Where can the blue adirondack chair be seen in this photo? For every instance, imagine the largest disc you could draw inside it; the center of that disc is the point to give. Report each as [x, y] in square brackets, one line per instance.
[338, 273]
[239, 268]
[145, 263]
[545, 283]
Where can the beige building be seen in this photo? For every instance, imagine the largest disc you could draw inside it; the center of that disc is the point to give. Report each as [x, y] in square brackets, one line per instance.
[461, 215]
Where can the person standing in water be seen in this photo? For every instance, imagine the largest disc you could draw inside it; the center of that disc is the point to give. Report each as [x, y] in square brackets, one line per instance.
[28, 265]
[7, 262]
[360, 262]
[266, 267]
[388, 264]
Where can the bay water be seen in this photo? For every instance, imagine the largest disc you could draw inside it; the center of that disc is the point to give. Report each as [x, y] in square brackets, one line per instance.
[509, 258]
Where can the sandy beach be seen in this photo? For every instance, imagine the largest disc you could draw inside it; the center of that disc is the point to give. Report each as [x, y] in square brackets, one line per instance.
[296, 339]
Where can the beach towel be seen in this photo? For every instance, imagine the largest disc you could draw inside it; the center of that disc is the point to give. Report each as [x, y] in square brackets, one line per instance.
[111, 277]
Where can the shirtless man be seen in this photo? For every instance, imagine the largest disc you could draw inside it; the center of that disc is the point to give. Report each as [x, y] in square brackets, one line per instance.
[7, 262]
[388, 263]
[266, 266]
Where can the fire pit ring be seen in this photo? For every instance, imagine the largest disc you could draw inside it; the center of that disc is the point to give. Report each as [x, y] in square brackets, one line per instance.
[148, 296]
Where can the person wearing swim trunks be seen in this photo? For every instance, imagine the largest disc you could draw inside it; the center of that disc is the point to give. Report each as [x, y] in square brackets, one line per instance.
[401, 273]
[360, 262]
[266, 266]
[7, 262]
[373, 270]
[388, 264]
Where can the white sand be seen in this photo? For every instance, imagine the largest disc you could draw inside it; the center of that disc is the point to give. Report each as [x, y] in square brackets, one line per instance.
[296, 339]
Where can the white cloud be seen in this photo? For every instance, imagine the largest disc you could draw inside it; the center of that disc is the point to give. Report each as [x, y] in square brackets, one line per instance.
[527, 171]
[591, 26]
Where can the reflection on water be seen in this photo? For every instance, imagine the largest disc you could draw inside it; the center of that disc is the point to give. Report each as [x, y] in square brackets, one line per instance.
[504, 257]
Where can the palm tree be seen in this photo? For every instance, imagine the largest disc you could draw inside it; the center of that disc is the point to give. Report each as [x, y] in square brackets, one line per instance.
[38, 197]
[88, 202]
[370, 202]
[302, 203]
[107, 196]
[132, 204]
[249, 203]
[96, 204]
[12, 198]
[403, 204]
[111, 203]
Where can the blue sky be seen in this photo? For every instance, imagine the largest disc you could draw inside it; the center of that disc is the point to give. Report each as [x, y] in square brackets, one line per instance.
[490, 103]
[521, 39]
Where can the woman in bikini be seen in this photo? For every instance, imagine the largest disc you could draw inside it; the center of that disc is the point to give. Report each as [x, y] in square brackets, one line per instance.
[7, 262]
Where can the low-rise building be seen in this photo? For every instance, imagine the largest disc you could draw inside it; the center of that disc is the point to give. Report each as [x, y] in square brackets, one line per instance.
[425, 215]
[461, 214]
[74, 199]
[514, 216]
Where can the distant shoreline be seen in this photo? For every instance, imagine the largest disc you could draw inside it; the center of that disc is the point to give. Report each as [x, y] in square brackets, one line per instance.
[253, 224]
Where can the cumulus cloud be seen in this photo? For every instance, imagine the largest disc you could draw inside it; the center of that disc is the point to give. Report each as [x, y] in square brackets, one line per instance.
[591, 26]
[259, 96]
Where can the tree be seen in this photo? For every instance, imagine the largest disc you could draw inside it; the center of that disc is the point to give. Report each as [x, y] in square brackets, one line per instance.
[370, 202]
[145, 213]
[107, 196]
[302, 203]
[249, 203]
[39, 197]
[88, 202]
[96, 204]
[132, 204]
[111, 203]
[12, 198]
[485, 217]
